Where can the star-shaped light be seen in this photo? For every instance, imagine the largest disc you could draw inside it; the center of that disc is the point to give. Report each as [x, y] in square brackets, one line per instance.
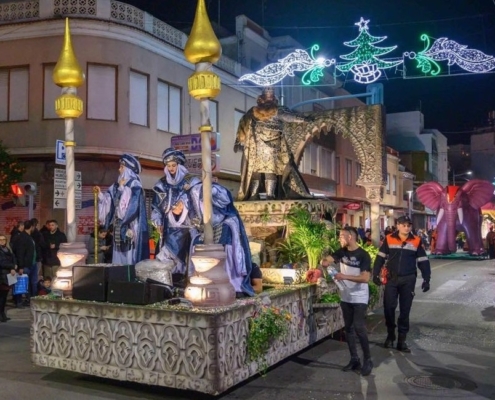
[362, 24]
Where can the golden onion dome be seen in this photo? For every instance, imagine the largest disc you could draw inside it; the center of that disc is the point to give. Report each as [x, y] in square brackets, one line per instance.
[202, 44]
[67, 71]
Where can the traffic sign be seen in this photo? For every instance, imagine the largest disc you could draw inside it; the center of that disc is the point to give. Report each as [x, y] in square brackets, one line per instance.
[192, 143]
[59, 203]
[60, 152]
[194, 163]
[59, 173]
[62, 203]
[59, 194]
[59, 183]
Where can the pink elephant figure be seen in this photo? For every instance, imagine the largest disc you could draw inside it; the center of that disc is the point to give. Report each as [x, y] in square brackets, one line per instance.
[458, 209]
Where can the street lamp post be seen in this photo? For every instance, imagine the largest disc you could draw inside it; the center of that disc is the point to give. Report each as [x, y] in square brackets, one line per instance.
[409, 203]
[454, 175]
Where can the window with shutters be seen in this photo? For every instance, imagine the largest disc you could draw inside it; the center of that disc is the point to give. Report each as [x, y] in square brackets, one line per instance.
[326, 161]
[138, 98]
[309, 163]
[14, 94]
[348, 172]
[169, 110]
[50, 92]
[102, 92]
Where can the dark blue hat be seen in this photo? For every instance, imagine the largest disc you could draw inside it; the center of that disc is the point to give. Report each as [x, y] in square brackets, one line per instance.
[404, 219]
[171, 154]
[131, 162]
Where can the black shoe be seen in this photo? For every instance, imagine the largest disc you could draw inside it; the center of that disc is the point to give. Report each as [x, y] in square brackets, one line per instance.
[3, 317]
[353, 365]
[389, 341]
[402, 346]
[367, 367]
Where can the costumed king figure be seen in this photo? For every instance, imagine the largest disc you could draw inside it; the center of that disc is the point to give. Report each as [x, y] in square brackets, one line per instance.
[267, 152]
[168, 214]
[123, 206]
[228, 230]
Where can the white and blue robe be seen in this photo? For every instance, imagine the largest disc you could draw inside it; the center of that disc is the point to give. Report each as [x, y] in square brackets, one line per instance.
[124, 207]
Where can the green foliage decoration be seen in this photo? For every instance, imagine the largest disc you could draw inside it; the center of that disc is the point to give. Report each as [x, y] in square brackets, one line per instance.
[267, 325]
[329, 298]
[11, 171]
[154, 232]
[310, 235]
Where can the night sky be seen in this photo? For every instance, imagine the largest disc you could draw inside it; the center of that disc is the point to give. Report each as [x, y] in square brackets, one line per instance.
[450, 104]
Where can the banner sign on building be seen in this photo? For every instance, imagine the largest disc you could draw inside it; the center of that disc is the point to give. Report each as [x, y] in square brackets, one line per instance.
[192, 143]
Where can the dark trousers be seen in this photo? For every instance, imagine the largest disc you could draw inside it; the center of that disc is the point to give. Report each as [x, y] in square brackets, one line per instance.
[3, 300]
[399, 290]
[33, 279]
[491, 251]
[354, 316]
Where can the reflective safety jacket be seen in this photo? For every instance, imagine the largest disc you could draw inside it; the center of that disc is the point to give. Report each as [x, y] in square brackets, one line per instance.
[402, 256]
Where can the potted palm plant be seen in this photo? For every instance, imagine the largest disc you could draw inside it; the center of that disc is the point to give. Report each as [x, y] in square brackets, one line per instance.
[311, 236]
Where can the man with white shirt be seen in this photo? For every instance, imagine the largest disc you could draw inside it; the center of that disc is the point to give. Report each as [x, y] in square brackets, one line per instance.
[355, 267]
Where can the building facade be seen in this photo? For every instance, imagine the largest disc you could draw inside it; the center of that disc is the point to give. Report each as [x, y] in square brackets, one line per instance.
[136, 100]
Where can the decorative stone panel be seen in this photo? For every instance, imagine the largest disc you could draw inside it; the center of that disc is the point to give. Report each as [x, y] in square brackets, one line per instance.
[168, 33]
[126, 14]
[18, 11]
[83, 8]
[201, 349]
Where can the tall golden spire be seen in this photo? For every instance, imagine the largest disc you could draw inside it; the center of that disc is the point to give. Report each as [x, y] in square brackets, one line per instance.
[67, 71]
[202, 44]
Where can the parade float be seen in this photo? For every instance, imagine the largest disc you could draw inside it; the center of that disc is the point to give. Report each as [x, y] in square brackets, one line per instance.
[458, 209]
[207, 342]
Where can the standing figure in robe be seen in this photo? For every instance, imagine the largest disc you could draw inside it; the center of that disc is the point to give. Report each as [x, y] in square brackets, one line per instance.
[168, 213]
[123, 206]
[268, 160]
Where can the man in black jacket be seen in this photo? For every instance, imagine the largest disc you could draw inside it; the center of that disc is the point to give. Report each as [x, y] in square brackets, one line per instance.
[404, 253]
[25, 254]
[38, 241]
[52, 238]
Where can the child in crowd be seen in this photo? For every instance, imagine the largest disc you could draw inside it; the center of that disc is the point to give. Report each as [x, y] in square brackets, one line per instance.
[45, 286]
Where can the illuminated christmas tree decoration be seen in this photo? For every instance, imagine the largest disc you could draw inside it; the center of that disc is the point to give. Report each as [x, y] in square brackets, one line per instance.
[443, 49]
[364, 62]
[297, 61]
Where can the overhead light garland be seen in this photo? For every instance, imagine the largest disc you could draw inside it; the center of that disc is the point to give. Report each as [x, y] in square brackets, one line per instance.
[444, 49]
[297, 61]
[365, 64]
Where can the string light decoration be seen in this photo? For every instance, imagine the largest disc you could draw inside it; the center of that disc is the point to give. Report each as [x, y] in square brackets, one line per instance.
[297, 61]
[444, 49]
[364, 62]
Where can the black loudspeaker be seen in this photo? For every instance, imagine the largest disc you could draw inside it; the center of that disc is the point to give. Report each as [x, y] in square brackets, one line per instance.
[90, 282]
[140, 293]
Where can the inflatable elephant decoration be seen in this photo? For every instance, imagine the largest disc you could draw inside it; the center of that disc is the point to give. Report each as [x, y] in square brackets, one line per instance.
[458, 209]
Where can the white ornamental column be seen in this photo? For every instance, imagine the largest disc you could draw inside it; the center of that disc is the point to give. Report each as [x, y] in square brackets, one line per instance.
[211, 287]
[69, 75]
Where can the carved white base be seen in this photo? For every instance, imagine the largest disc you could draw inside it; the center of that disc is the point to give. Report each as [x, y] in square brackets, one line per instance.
[203, 351]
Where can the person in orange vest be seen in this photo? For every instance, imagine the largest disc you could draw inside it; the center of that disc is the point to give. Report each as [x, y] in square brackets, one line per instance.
[401, 251]
[433, 243]
[490, 243]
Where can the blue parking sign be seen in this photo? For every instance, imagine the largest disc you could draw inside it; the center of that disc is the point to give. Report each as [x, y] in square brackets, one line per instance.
[60, 152]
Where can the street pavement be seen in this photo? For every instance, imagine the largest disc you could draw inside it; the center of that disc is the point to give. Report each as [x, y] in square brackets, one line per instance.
[453, 355]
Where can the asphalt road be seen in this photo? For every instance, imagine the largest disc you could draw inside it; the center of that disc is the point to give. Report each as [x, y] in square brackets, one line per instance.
[453, 355]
